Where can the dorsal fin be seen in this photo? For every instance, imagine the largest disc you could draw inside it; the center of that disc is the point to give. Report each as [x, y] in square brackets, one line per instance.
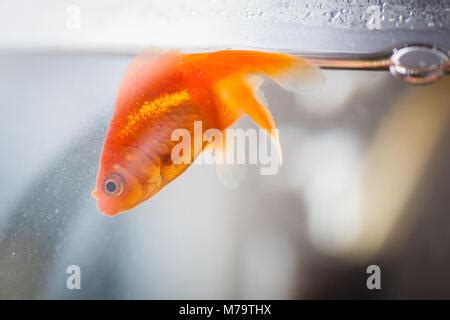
[141, 62]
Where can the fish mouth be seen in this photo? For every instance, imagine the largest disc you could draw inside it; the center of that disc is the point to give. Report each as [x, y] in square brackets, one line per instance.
[105, 210]
[111, 209]
[108, 211]
[94, 194]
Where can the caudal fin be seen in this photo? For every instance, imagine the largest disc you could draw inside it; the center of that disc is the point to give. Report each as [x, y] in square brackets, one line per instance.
[290, 72]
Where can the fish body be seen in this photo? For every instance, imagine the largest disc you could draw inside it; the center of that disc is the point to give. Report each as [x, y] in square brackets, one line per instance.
[159, 95]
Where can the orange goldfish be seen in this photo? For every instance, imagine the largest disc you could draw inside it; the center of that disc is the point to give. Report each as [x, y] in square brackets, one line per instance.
[159, 95]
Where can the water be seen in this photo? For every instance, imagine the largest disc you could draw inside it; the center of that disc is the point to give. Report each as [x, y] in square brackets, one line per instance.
[364, 181]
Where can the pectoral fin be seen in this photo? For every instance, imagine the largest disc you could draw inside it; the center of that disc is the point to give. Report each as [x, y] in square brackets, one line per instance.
[229, 173]
[240, 96]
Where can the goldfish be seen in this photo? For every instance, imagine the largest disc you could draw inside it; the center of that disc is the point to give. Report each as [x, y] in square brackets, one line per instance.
[159, 94]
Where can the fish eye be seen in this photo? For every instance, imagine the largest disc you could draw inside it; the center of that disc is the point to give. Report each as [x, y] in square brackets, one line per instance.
[113, 185]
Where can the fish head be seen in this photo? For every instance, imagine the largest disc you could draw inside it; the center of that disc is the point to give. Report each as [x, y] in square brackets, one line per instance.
[126, 177]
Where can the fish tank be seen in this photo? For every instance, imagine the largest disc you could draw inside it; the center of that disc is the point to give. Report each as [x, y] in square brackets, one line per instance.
[358, 208]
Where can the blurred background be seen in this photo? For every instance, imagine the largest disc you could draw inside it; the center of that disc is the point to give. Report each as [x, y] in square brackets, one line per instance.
[364, 179]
